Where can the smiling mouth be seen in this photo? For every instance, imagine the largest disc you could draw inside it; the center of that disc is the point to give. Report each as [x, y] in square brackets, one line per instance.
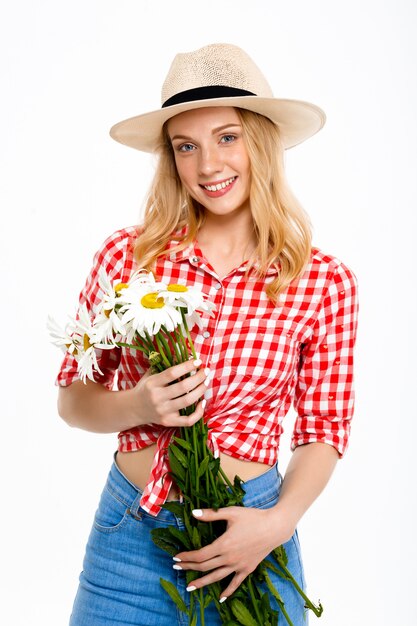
[219, 186]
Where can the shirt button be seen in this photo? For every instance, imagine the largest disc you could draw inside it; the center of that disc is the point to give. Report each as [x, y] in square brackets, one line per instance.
[195, 259]
[217, 286]
[206, 334]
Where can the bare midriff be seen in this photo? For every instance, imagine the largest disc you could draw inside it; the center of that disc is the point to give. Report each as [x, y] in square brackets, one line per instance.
[136, 466]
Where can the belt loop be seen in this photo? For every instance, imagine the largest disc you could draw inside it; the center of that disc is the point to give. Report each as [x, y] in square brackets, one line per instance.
[135, 506]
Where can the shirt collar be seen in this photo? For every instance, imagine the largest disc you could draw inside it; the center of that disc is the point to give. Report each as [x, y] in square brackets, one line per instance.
[194, 256]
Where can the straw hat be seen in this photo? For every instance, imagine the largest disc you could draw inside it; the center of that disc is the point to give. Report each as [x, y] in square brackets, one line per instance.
[219, 75]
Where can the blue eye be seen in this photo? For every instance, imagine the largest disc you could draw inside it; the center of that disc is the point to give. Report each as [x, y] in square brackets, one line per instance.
[228, 138]
[186, 147]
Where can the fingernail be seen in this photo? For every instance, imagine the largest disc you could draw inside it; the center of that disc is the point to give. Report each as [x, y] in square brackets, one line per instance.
[197, 513]
[197, 362]
[191, 588]
[176, 567]
[175, 558]
[222, 599]
[203, 404]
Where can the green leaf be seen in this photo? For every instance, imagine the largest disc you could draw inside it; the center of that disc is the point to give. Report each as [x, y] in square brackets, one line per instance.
[275, 569]
[207, 599]
[243, 614]
[168, 547]
[195, 538]
[237, 482]
[214, 466]
[165, 534]
[174, 594]
[280, 555]
[205, 533]
[176, 508]
[191, 575]
[183, 443]
[203, 467]
[164, 540]
[187, 523]
[180, 483]
[268, 611]
[194, 620]
[181, 537]
[180, 455]
[193, 475]
[177, 470]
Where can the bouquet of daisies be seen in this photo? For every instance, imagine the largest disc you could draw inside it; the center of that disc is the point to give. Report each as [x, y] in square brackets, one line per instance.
[156, 318]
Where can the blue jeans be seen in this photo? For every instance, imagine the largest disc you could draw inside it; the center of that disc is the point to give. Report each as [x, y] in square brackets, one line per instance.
[119, 584]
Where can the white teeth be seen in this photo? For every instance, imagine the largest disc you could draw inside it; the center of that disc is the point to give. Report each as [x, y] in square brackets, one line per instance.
[219, 185]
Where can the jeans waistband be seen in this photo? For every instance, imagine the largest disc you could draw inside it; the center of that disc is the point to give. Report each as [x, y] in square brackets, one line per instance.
[259, 491]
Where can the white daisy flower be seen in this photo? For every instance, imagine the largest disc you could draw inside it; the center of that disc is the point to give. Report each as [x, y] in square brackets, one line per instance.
[108, 327]
[146, 311]
[191, 298]
[142, 279]
[111, 291]
[193, 319]
[64, 338]
[107, 323]
[88, 362]
[89, 341]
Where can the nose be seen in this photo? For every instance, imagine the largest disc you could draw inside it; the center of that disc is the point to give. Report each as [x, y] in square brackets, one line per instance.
[209, 161]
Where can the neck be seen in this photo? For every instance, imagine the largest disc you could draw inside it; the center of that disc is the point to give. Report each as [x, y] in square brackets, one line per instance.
[228, 235]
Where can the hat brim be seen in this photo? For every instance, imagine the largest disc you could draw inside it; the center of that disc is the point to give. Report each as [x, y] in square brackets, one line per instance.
[297, 120]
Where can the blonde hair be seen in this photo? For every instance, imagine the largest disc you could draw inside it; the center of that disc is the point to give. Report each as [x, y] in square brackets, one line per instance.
[282, 227]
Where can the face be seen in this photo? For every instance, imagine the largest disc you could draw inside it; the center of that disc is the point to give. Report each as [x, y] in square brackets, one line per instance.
[211, 158]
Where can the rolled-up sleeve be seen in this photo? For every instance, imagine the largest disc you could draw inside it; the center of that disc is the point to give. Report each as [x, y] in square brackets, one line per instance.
[324, 392]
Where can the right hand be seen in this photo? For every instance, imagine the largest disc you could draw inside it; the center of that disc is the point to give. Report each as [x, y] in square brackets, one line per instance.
[158, 398]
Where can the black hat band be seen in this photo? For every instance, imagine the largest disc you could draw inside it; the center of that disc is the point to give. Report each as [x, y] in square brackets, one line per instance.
[206, 93]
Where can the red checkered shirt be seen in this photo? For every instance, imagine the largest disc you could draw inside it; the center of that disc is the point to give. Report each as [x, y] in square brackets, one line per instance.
[263, 356]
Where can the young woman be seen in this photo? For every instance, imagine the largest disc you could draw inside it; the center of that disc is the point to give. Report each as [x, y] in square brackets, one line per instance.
[219, 215]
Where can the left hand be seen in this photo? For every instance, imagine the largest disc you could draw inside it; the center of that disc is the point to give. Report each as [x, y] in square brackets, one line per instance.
[250, 536]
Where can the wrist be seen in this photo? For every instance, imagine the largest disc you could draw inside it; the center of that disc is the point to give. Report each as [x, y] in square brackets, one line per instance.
[128, 407]
[284, 519]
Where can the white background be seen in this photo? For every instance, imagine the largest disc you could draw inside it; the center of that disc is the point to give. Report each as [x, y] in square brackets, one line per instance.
[69, 70]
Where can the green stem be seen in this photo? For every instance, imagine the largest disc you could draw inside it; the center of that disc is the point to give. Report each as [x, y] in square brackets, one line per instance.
[201, 601]
[196, 465]
[174, 344]
[182, 345]
[254, 600]
[213, 484]
[187, 332]
[225, 478]
[317, 610]
[121, 344]
[166, 350]
[278, 598]
[161, 351]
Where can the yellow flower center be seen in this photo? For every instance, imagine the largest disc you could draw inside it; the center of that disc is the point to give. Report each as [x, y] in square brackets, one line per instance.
[152, 301]
[107, 312]
[178, 288]
[86, 342]
[119, 287]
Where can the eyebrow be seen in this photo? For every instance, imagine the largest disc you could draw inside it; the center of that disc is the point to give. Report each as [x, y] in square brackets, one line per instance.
[214, 131]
